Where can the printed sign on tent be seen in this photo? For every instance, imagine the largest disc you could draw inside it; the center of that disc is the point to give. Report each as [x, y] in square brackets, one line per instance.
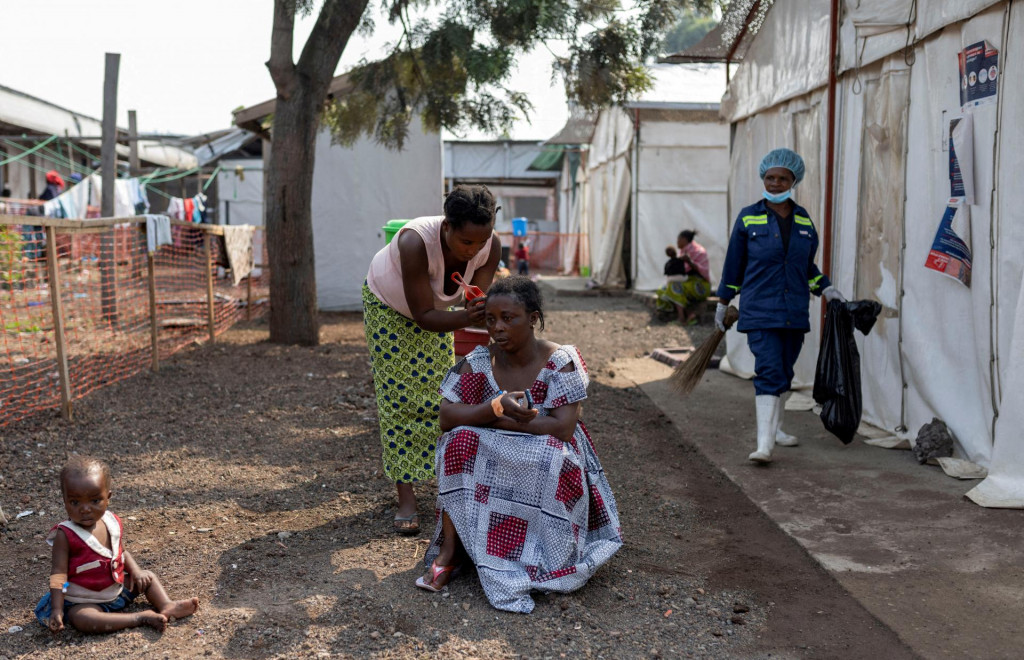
[961, 159]
[951, 249]
[979, 73]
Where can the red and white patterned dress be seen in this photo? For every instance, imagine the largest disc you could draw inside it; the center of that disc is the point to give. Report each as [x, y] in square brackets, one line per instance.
[533, 512]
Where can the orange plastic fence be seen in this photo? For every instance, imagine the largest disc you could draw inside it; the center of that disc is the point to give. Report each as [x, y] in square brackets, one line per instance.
[103, 275]
[550, 252]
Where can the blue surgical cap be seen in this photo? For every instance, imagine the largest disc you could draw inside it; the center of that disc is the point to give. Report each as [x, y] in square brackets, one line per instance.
[786, 158]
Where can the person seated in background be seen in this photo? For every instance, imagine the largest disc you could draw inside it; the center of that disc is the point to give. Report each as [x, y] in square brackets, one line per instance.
[686, 272]
[521, 493]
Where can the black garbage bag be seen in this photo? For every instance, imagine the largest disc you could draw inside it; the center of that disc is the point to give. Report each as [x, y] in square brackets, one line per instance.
[837, 377]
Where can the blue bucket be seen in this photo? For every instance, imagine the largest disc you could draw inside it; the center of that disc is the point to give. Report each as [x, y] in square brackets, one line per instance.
[519, 226]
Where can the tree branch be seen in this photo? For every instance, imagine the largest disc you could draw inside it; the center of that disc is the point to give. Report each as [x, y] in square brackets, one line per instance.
[337, 21]
[280, 65]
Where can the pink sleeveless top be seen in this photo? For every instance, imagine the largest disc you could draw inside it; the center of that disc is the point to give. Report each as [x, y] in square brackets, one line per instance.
[385, 275]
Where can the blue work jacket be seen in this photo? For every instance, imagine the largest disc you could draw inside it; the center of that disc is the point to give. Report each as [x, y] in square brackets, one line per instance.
[775, 283]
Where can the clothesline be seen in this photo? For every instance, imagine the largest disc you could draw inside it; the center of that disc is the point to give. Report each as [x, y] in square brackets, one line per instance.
[34, 149]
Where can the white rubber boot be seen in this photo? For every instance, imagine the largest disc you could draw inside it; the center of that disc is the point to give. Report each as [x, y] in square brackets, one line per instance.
[782, 438]
[767, 422]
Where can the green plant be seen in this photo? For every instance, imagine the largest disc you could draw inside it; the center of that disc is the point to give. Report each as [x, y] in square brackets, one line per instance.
[26, 325]
[10, 254]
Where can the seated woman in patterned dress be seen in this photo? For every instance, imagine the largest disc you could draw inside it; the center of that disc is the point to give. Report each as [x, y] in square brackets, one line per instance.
[687, 280]
[521, 493]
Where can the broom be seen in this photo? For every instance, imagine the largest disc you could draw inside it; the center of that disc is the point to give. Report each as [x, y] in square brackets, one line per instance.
[689, 373]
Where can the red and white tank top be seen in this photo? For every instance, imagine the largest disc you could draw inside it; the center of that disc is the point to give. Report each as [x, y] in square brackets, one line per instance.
[95, 572]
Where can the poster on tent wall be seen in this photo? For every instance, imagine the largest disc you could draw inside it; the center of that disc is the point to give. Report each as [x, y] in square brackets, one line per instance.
[951, 249]
[961, 159]
[979, 71]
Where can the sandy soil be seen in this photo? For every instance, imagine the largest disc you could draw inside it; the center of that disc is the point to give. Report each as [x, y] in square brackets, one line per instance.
[248, 474]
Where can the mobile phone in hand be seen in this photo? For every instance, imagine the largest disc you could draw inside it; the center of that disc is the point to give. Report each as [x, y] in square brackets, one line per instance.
[529, 400]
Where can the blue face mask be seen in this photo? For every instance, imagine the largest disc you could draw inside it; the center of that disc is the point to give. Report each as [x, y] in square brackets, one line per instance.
[777, 199]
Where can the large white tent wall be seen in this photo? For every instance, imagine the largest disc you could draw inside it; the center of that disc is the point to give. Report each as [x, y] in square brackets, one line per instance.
[665, 158]
[940, 349]
[355, 191]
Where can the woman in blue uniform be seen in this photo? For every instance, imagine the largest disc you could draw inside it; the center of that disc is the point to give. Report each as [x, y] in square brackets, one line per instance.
[771, 261]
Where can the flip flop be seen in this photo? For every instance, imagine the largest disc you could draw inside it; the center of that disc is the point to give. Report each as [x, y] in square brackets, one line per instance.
[412, 526]
[435, 573]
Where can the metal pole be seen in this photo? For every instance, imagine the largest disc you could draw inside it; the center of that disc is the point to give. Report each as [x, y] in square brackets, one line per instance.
[830, 148]
[53, 270]
[108, 292]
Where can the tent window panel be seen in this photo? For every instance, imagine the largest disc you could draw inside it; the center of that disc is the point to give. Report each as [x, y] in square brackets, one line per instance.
[881, 204]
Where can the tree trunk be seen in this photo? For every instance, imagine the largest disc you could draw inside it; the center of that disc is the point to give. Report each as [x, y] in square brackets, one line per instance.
[301, 92]
[289, 221]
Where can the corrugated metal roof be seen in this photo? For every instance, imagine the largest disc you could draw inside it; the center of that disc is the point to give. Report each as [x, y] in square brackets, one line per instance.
[33, 115]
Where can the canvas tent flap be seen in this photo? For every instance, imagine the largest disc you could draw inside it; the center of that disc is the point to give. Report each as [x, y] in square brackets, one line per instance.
[608, 178]
[1004, 486]
[872, 30]
[933, 15]
[788, 58]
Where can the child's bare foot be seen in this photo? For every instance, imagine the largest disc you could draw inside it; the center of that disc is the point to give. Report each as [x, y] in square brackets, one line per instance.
[153, 619]
[179, 609]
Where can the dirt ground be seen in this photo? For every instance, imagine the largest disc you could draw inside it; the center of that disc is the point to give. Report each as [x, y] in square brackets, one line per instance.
[248, 474]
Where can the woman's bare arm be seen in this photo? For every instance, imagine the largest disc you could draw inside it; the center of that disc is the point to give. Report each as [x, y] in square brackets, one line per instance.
[419, 295]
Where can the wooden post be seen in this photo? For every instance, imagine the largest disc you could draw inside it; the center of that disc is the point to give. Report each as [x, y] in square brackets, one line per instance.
[71, 155]
[248, 297]
[207, 251]
[108, 256]
[53, 271]
[133, 145]
[154, 329]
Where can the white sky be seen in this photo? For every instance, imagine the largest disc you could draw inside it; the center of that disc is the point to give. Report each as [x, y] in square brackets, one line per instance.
[185, 65]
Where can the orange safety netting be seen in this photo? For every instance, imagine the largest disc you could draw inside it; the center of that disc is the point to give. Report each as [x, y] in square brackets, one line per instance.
[550, 252]
[103, 275]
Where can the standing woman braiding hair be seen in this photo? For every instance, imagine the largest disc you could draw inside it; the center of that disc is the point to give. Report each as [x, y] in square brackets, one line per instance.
[406, 301]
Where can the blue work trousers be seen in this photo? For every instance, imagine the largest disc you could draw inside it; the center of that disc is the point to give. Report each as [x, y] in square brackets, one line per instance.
[775, 352]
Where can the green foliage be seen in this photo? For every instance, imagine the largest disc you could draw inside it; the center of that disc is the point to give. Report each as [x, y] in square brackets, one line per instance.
[452, 71]
[24, 325]
[691, 28]
[10, 254]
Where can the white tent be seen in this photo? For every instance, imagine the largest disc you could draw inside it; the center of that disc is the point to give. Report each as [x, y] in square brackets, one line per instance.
[355, 191]
[940, 349]
[662, 158]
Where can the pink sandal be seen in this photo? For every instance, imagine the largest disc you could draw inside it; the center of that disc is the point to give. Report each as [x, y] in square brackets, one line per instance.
[435, 573]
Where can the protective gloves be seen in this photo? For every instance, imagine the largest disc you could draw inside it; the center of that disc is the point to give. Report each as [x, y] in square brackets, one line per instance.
[831, 293]
[720, 316]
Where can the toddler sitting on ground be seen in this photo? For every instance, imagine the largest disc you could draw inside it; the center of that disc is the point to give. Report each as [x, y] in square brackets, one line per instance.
[92, 577]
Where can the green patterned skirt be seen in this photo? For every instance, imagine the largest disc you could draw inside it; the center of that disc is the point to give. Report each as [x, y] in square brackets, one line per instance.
[408, 366]
[683, 293]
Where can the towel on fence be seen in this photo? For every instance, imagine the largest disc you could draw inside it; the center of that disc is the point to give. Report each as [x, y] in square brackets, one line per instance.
[238, 243]
[158, 232]
[176, 208]
[124, 198]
